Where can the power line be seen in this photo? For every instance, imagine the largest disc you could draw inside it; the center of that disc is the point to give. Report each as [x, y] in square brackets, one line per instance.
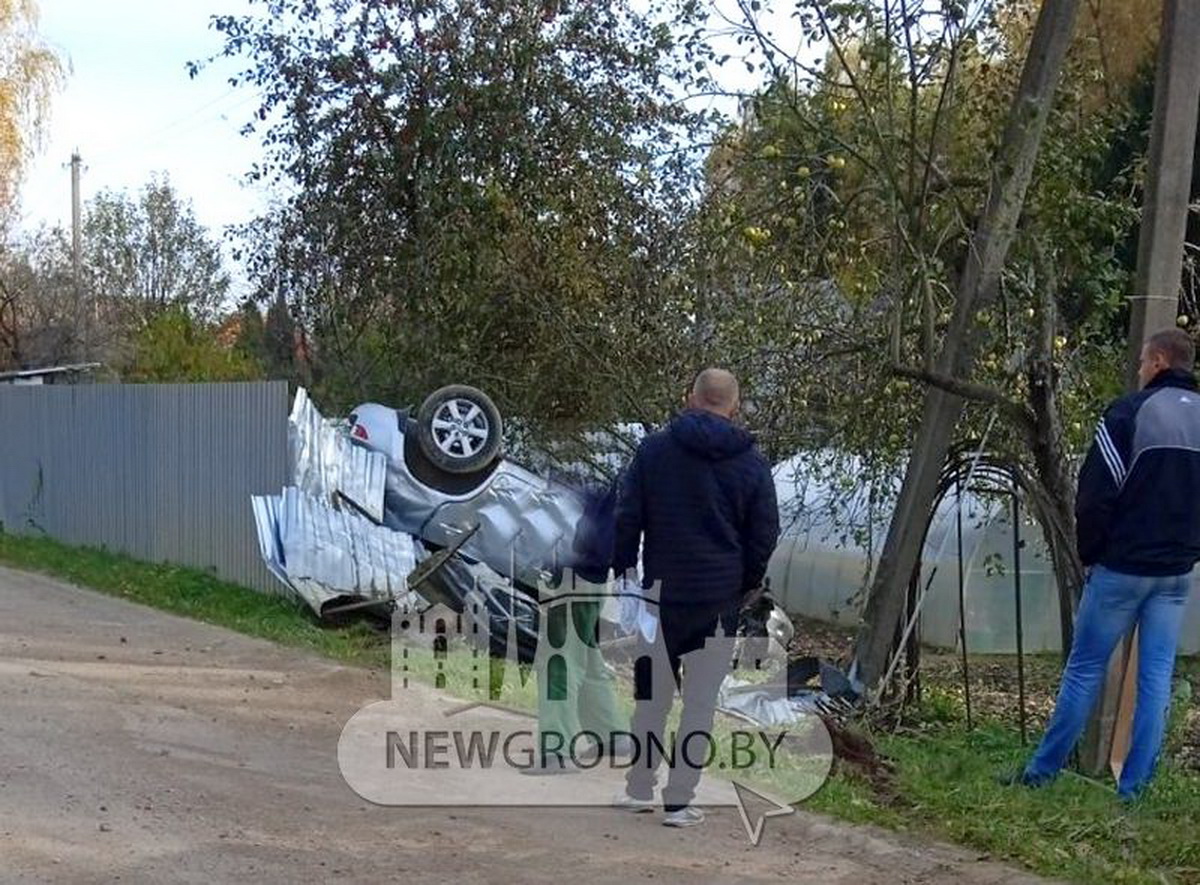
[177, 128]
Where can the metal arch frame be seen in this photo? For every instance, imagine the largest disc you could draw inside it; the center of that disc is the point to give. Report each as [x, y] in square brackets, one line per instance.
[966, 461]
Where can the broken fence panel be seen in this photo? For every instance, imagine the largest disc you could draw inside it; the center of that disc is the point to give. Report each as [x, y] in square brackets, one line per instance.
[323, 553]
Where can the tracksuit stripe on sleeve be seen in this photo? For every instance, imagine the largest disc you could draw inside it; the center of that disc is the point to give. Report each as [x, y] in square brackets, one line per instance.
[1110, 454]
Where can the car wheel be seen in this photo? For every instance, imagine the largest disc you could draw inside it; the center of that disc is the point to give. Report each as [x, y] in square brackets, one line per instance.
[458, 428]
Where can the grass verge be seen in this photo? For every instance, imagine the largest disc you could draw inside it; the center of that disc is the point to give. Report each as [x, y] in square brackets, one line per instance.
[1075, 829]
[195, 594]
[944, 782]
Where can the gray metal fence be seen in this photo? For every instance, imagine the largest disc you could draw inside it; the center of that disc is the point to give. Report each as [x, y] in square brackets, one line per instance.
[163, 472]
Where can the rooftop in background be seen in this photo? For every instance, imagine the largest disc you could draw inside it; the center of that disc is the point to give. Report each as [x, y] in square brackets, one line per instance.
[49, 374]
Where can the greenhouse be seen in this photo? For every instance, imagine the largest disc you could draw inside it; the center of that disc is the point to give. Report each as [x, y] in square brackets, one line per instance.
[831, 541]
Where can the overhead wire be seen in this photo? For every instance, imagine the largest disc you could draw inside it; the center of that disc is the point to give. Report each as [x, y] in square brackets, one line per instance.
[180, 127]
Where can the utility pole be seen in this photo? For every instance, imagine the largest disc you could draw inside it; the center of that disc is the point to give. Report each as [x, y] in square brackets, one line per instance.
[76, 260]
[1155, 300]
[81, 319]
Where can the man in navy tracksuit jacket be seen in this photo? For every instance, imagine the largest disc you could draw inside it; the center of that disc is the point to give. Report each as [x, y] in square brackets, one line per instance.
[699, 499]
[1138, 525]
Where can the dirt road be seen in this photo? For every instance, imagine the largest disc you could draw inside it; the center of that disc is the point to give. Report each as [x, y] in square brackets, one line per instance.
[140, 747]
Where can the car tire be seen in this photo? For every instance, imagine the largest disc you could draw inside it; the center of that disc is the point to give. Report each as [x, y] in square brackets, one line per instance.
[459, 429]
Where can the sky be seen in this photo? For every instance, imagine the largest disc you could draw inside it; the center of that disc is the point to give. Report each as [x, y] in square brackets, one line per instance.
[131, 110]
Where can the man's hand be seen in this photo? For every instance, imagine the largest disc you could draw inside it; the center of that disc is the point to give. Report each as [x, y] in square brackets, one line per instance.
[753, 597]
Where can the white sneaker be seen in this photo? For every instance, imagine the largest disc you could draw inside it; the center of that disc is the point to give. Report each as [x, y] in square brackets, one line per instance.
[688, 816]
[627, 803]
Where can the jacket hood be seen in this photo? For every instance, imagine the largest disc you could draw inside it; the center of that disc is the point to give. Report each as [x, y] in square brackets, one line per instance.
[709, 436]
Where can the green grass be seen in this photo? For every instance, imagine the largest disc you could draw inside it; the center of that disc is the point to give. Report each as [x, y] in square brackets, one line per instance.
[944, 784]
[196, 594]
[1075, 829]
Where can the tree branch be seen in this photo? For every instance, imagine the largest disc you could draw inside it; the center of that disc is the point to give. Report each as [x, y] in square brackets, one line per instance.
[1017, 412]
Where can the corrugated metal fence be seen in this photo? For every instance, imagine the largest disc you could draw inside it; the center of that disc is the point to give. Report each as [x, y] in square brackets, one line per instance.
[163, 472]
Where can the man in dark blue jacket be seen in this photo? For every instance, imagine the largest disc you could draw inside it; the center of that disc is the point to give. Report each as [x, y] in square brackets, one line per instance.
[699, 499]
[1138, 525]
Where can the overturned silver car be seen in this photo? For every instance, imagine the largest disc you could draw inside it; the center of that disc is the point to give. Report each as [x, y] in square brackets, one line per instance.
[387, 502]
[445, 478]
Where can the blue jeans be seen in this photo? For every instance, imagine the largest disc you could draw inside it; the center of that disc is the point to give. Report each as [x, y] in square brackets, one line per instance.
[1112, 604]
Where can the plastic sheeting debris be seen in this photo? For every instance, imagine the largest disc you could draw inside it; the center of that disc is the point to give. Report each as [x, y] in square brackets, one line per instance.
[785, 698]
[765, 704]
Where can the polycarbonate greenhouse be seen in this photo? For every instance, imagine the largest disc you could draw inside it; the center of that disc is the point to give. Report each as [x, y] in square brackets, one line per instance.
[831, 541]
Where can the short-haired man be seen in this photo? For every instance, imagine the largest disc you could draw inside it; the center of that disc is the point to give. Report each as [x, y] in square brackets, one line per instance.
[1138, 526]
[700, 500]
